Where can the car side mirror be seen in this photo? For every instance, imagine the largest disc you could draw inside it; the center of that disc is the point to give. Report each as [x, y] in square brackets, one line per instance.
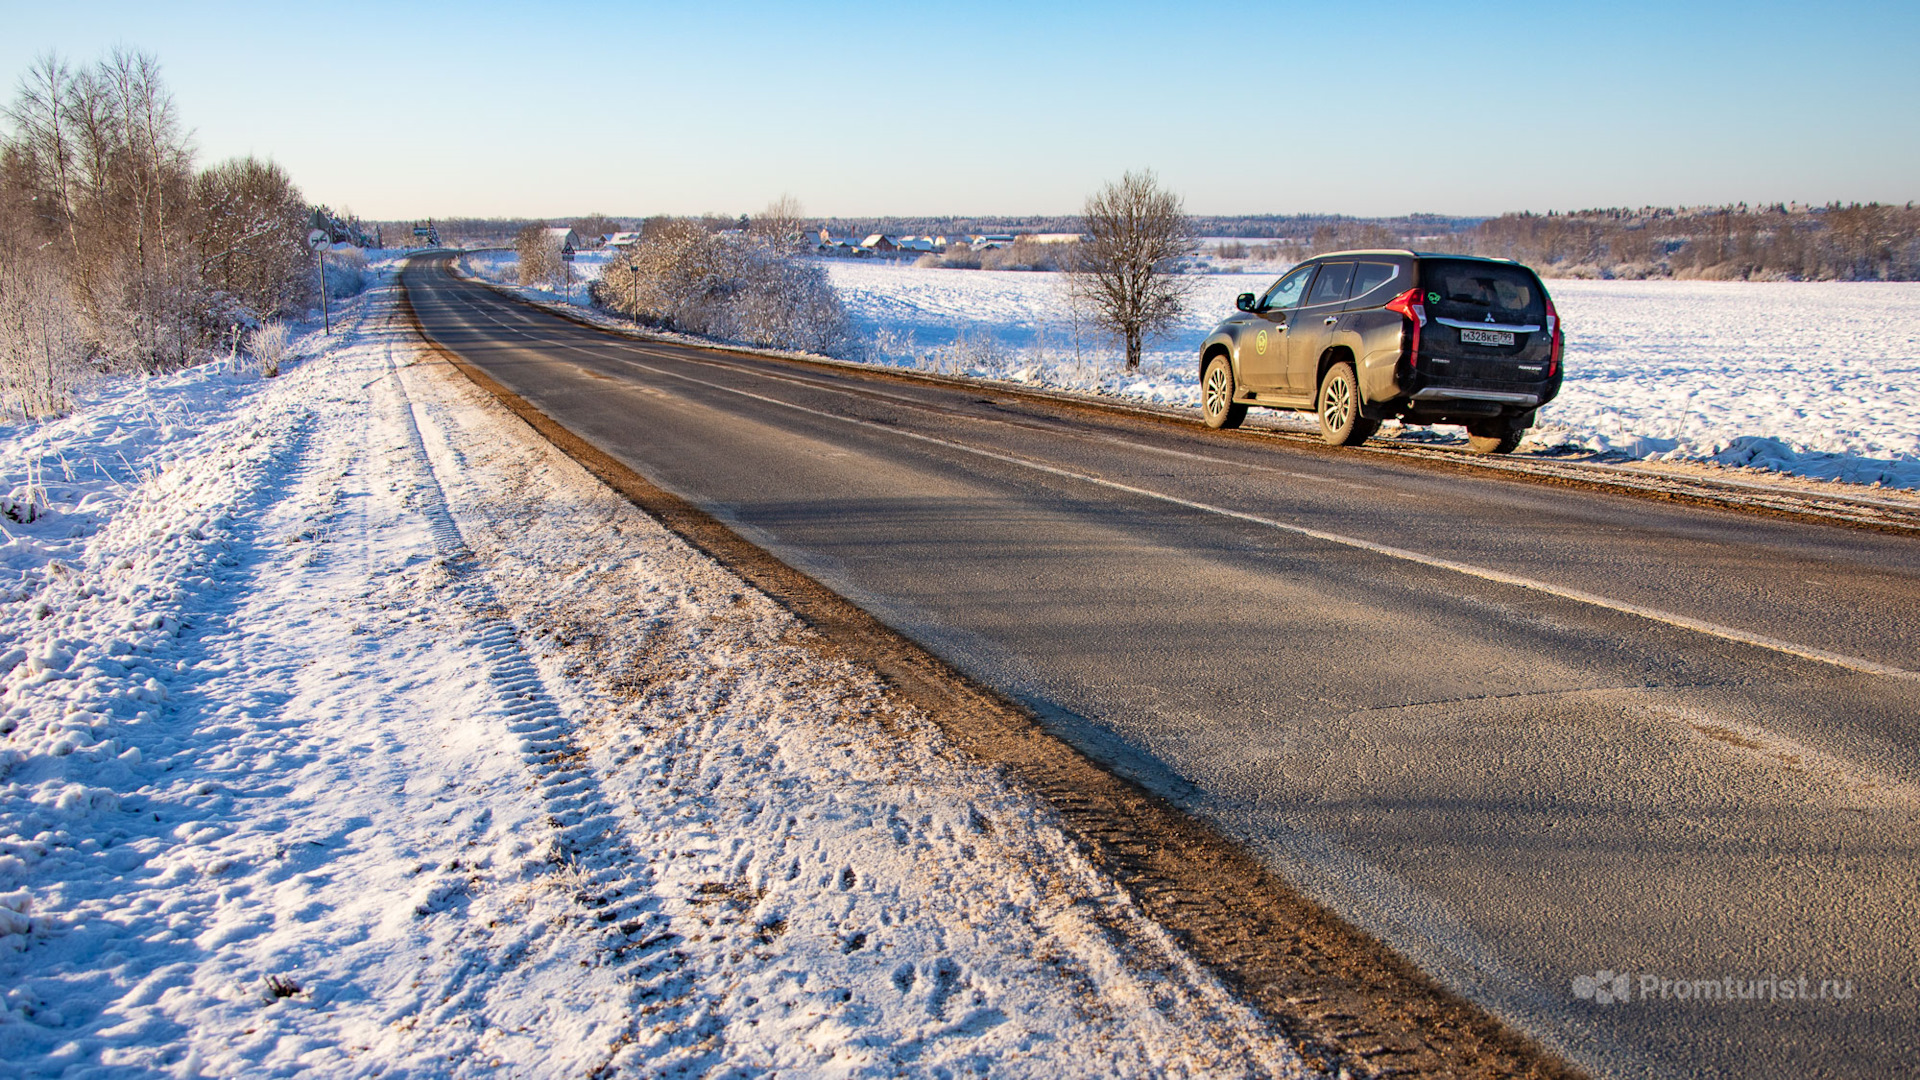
[1244, 301]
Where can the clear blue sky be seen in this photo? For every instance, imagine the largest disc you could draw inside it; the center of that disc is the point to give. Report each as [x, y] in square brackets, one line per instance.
[478, 108]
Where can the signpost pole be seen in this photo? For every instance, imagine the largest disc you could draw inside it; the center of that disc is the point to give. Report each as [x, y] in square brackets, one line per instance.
[317, 240]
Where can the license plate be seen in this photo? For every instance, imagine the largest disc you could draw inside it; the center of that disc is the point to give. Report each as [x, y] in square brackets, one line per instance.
[1487, 337]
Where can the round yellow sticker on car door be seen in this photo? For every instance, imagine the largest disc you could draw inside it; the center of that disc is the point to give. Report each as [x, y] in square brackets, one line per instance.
[1260, 343]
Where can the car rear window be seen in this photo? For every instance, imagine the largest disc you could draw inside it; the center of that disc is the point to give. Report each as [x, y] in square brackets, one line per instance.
[1474, 290]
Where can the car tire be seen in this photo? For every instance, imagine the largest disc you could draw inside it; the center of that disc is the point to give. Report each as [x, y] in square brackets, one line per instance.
[1338, 404]
[1217, 406]
[1498, 438]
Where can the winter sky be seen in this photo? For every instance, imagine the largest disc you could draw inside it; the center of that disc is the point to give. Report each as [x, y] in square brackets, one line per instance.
[482, 108]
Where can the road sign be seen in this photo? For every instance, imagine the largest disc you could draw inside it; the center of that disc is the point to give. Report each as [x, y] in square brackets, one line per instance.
[567, 255]
[421, 230]
[316, 239]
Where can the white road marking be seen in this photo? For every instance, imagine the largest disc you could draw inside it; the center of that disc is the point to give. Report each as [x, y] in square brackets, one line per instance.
[1700, 626]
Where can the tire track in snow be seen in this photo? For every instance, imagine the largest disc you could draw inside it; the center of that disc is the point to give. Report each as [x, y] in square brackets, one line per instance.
[594, 846]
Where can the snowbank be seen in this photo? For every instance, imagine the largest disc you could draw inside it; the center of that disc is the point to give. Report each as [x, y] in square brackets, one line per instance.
[348, 728]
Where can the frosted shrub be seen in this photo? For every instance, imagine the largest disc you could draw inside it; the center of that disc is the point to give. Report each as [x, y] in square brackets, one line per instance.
[28, 501]
[269, 348]
[891, 345]
[740, 288]
[972, 353]
[42, 354]
[347, 273]
[1028, 255]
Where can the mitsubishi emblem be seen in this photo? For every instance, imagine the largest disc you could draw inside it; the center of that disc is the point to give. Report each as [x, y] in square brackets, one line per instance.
[1489, 316]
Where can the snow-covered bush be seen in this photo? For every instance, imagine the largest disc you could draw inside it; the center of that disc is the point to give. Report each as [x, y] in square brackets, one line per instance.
[736, 287]
[540, 257]
[974, 352]
[269, 348]
[346, 273]
[1019, 255]
[42, 354]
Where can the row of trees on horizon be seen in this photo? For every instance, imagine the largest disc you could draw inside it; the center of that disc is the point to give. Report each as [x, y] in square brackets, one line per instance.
[1836, 242]
[1853, 242]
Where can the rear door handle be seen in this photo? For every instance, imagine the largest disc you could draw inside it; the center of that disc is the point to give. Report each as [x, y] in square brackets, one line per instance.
[1331, 319]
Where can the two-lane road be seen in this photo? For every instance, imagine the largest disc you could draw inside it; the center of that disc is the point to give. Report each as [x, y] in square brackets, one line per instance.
[1524, 734]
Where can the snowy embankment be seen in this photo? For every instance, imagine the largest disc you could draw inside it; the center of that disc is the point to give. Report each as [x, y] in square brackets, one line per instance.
[351, 729]
[1815, 379]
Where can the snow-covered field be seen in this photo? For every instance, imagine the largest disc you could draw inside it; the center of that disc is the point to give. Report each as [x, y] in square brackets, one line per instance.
[348, 729]
[1815, 379]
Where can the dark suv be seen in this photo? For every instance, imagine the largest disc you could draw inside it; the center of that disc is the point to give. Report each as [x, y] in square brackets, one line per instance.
[1364, 336]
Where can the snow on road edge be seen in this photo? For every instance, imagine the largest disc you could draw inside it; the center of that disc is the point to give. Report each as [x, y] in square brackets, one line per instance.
[354, 729]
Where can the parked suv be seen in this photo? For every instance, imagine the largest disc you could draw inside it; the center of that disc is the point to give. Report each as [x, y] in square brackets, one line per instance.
[1364, 336]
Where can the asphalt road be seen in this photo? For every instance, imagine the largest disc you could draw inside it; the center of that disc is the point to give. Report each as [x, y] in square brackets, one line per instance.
[1524, 733]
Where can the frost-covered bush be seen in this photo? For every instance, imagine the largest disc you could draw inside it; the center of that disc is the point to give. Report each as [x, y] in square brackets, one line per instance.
[726, 285]
[972, 353]
[42, 353]
[347, 273]
[1019, 255]
[540, 257]
[1028, 255]
[269, 348]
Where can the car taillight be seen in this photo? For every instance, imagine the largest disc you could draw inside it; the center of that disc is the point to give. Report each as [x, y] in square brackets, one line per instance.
[1408, 305]
[1553, 334]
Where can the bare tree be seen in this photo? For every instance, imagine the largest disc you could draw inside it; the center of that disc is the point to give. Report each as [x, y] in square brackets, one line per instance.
[593, 226]
[249, 225]
[781, 224]
[1125, 270]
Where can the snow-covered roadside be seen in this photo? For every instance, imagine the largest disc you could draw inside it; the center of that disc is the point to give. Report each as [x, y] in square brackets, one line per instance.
[355, 730]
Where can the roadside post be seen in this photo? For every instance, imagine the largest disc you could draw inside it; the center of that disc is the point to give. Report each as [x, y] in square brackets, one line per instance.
[317, 242]
[566, 256]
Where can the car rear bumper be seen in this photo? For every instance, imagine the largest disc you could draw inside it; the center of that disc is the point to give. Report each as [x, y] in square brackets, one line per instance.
[1461, 393]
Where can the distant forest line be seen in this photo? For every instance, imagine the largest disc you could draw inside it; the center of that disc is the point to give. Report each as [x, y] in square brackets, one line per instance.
[1781, 242]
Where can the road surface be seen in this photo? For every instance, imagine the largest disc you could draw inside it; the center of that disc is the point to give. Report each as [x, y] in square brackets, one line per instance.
[1528, 735]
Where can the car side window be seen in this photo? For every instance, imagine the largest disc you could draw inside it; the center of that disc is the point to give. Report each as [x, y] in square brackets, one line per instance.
[1288, 291]
[1331, 286]
[1370, 276]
